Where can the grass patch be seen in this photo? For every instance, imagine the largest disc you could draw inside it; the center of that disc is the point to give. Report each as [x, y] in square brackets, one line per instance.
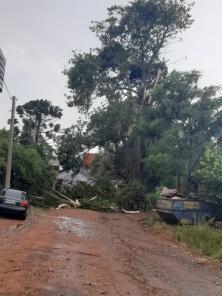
[151, 220]
[154, 222]
[203, 238]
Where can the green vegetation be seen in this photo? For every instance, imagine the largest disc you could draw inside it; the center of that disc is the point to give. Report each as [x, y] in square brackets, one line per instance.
[152, 220]
[110, 197]
[99, 204]
[38, 118]
[209, 173]
[29, 169]
[153, 127]
[203, 238]
[72, 143]
[156, 224]
[123, 73]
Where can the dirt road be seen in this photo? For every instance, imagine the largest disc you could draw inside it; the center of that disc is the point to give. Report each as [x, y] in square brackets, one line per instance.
[84, 253]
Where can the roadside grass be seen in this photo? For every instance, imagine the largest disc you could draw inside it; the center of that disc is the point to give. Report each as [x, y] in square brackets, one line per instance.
[154, 222]
[203, 238]
[151, 220]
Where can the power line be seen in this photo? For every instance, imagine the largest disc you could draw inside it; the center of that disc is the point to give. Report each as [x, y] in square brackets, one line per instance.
[6, 87]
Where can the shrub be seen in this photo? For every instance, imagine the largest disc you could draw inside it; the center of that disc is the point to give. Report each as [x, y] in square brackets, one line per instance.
[150, 198]
[80, 191]
[130, 196]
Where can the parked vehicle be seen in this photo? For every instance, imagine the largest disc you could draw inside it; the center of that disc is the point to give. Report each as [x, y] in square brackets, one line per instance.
[14, 202]
[187, 211]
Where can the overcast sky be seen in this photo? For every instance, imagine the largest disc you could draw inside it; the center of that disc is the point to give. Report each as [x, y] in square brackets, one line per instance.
[37, 37]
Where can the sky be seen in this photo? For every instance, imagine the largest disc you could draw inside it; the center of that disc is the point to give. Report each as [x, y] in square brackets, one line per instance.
[38, 36]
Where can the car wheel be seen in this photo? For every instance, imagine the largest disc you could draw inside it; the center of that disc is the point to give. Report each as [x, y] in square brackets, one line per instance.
[23, 217]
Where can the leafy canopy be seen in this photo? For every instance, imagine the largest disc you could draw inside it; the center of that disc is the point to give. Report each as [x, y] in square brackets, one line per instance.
[125, 67]
[38, 117]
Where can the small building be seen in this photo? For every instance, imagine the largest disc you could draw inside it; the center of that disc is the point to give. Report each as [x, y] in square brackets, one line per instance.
[72, 179]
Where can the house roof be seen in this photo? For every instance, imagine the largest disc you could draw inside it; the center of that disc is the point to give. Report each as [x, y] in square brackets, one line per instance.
[88, 159]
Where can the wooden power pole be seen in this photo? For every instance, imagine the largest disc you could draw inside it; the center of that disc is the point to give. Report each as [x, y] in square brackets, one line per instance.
[10, 146]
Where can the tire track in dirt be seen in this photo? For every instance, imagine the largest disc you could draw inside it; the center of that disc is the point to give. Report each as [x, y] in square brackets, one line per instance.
[82, 253]
[162, 264]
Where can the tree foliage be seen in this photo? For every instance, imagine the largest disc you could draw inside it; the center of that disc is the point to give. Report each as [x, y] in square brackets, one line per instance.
[127, 63]
[153, 127]
[29, 170]
[126, 67]
[38, 117]
[209, 173]
[71, 145]
[185, 120]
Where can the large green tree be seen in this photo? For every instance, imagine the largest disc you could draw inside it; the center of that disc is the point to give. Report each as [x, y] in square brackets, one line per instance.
[153, 126]
[126, 67]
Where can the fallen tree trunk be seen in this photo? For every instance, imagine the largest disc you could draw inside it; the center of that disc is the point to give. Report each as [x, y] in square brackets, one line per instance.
[57, 197]
[130, 212]
[75, 203]
[62, 206]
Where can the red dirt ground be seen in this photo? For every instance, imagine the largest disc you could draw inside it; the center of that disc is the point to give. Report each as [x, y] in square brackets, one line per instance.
[84, 253]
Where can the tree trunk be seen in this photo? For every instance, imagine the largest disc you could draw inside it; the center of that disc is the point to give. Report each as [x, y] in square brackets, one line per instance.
[37, 131]
[136, 158]
[178, 182]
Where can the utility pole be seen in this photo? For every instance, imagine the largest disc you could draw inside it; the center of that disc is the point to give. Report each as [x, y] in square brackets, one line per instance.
[10, 146]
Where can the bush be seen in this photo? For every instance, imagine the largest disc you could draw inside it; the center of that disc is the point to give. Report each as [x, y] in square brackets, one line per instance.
[29, 171]
[150, 198]
[103, 188]
[202, 237]
[80, 191]
[130, 196]
[103, 191]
